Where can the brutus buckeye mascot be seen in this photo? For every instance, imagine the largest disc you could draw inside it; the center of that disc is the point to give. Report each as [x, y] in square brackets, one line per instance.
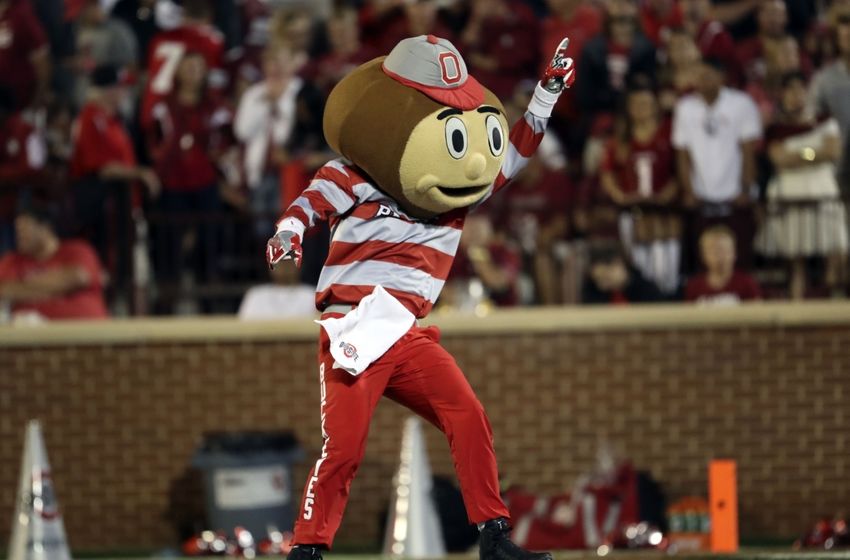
[422, 144]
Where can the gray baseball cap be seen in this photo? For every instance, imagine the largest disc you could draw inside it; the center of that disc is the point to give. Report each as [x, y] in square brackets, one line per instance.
[434, 66]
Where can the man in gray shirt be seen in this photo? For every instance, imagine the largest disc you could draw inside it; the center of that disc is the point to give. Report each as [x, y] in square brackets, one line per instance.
[830, 89]
[102, 40]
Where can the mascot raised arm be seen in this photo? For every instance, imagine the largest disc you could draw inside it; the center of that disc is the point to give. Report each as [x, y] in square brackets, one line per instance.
[422, 144]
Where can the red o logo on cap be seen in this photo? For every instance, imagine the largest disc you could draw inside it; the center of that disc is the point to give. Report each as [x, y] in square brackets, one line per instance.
[449, 68]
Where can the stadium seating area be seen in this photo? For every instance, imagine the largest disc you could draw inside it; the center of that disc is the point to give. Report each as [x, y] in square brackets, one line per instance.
[148, 146]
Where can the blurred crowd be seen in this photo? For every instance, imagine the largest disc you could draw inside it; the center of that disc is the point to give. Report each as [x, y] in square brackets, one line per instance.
[147, 147]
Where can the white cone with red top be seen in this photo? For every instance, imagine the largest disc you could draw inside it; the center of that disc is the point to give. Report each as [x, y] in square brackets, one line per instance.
[37, 529]
[413, 526]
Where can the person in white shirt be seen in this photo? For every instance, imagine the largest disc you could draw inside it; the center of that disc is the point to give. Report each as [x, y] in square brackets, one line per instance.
[716, 131]
[805, 217]
[285, 298]
[267, 124]
[279, 124]
[266, 114]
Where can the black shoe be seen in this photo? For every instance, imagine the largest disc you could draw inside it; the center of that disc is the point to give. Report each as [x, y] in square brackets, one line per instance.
[305, 552]
[496, 544]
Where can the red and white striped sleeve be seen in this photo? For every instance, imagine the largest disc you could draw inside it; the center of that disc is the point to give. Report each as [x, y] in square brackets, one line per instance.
[526, 135]
[330, 193]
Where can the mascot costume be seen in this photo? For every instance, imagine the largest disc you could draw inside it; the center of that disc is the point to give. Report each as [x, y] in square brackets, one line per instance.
[422, 144]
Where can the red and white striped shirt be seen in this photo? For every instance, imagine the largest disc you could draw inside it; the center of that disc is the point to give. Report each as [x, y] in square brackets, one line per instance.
[375, 242]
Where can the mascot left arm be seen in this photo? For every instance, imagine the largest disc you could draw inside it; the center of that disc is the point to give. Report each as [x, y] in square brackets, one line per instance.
[527, 133]
[330, 194]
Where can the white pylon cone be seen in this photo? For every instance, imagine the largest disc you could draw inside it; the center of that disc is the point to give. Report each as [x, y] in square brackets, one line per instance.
[37, 529]
[413, 527]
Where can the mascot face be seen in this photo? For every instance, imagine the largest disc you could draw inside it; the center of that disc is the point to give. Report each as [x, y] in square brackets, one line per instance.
[426, 132]
[440, 176]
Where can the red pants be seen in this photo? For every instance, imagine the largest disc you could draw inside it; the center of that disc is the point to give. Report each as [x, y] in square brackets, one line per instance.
[419, 374]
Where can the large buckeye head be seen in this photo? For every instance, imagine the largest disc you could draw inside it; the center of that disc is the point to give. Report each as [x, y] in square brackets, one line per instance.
[425, 131]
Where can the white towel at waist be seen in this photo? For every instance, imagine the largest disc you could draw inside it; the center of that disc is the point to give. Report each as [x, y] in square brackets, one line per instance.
[366, 332]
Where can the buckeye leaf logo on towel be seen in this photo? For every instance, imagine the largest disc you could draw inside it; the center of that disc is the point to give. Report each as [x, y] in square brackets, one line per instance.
[349, 350]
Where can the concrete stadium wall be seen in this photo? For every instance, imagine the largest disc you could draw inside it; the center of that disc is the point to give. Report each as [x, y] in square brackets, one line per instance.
[124, 404]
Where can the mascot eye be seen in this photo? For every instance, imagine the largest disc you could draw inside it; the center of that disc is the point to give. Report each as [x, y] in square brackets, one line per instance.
[456, 137]
[495, 135]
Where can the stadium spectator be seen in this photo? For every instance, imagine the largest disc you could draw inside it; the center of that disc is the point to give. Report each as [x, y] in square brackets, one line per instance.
[22, 154]
[102, 40]
[806, 217]
[580, 20]
[294, 25]
[53, 15]
[535, 214]
[639, 176]
[486, 269]
[500, 43]
[678, 76]
[611, 280]
[49, 277]
[741, 16]
[781, 57]
[58, 135]
[59, 31]
[818, 43]
[830, 89]
[102, 147]
[254, 18]
[710, 35]
[166, 49]
[802, 17]
[52, 185]
[266, 27]
[384, 24]
[721, 283]
[190, 133]
[227, 20]
[658, 18]
[772, 18]
[610, 58]
[103, 170]
[284, 298]
[24, 53]
[737, 15]
[245, 61]
[716, 132]
[140, 17]
[548, 213]
[279, 122]
[346, 50]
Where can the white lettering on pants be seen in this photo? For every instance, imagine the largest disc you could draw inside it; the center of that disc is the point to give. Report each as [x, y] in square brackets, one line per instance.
[310, 496]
